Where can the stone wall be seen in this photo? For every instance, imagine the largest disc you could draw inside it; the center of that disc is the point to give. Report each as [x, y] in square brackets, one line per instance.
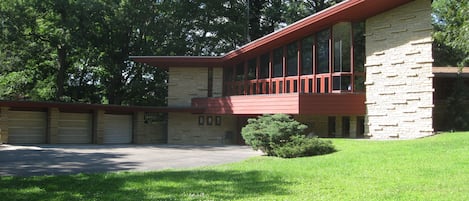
[184, 128]
[399, 72]
[185, 84]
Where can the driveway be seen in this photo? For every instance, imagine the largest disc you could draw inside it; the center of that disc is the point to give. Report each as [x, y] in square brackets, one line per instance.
[73, 159]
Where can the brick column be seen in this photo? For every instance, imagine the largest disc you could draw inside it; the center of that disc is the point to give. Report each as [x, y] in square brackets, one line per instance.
[98, 127]
[4, 124]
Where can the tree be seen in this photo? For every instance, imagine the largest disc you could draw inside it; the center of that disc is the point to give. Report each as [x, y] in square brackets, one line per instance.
[451, 23]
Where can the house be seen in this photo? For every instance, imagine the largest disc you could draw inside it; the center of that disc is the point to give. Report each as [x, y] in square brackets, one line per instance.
[362, 68]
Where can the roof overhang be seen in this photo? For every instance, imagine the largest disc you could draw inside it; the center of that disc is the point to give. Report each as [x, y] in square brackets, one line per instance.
[450, 72]
[83, 107]
[179, 61]
[350, 10]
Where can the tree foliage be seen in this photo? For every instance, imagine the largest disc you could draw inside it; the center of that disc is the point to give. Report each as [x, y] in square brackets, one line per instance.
[451, 23]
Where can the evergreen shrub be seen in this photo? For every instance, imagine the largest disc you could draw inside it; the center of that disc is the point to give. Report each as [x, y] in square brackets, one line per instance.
[280, 135]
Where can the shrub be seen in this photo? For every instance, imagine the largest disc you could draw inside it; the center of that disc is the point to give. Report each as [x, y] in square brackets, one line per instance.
[268, 130]
[300, 146]
[280, 135]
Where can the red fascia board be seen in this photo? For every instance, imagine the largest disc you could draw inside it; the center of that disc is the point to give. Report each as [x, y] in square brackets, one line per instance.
[83, 107]
[179, 61]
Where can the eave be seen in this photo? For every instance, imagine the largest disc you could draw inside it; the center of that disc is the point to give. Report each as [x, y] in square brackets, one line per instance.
[179, 61]
[86, 108]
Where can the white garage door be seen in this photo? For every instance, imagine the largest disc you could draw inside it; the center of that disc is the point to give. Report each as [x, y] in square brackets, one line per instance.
[26, 127]
[75, 128]
[117, 129]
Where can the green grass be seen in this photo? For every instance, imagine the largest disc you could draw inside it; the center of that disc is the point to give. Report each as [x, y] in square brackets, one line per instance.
[434, 168]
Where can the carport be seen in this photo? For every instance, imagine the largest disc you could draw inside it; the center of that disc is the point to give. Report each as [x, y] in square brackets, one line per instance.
[26, 122]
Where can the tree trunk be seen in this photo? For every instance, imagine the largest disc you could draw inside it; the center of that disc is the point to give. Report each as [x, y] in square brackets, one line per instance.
[63, 66]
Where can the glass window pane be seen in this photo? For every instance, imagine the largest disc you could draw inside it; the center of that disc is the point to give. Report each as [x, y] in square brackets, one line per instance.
[278, 63]
[264, 66]
[292, 59]
[342, 83]
[252, 64]
[359, 83]
[240, 72]
[326, 85]
[228, 72]
[322, 51]
[342, 42]
[307, 56]
[359, 46]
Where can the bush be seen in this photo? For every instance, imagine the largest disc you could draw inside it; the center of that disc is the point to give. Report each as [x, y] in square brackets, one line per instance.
[300, 146]
[280, 135]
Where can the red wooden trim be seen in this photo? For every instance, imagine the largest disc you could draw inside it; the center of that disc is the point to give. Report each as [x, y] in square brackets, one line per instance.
[32, 105]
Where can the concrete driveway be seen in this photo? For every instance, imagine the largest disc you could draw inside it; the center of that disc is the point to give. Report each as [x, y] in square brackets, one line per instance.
[72, 159]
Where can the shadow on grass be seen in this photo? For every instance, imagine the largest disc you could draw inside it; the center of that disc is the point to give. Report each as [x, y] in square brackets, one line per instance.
[164, 185]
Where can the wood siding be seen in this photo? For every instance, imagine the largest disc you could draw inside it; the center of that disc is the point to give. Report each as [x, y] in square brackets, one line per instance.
[259, 104]
[333, 104]
[318, 104]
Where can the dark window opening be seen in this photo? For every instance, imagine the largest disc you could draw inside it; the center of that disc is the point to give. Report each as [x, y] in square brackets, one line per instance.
[264, 66]
[274, 87]
[307, 56]
[228, 72]
[292, 59]
[303, 85]
[280, 87]
[252, 66]
[345, 126]
[331, 126]
[278, 63]
[318, 85]
[342, 83]
[240, 72]
[295, 86]
[287, 87]
[359, 46]
[310, 85]
[322, 51]
[210, 83]
[342, 44]
[359, 84]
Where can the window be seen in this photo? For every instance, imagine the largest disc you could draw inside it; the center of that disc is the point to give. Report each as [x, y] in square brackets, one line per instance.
[345, 126]
[326, 85]
[322, 51]
[278, 63]
[318, 85]
[240, 72]
[307, 56]
[359, 46]
[359, 83]
[331, 126]
[210, 82]
[228, 72]
[342, 83]
[342, 43]
[292, 59]
[264, 66]
[252, 65]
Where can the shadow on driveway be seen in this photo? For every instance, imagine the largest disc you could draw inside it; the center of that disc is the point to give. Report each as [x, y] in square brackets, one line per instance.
[72, 159]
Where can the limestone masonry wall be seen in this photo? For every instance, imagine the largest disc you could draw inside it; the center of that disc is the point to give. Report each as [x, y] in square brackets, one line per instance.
[399, 91]
[185, 84]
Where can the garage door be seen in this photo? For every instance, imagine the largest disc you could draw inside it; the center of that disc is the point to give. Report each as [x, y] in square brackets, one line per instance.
[117, 129]
[25, 127]
[75, 128]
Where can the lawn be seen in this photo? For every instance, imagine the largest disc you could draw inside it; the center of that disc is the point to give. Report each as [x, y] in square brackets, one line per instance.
[434, 168]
